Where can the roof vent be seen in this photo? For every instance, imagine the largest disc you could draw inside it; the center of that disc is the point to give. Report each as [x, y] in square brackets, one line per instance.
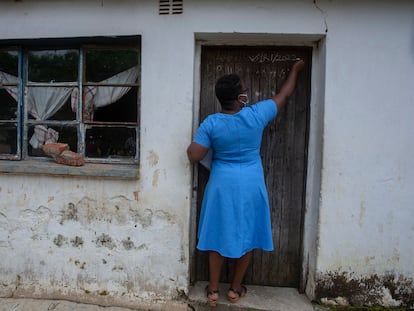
[171, 7]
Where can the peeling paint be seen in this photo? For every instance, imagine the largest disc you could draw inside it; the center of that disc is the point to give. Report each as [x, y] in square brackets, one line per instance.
[105, 240]
[70, 213]
[80, 264]
[4, 223]
[59, 240]
[36, 219]
[128, 244]
[165, 216]
[117, 210]
[142, 247]
[77, 241]
[386, 290]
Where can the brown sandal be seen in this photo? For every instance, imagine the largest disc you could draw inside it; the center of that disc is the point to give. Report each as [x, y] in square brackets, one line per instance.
[212, 302]
[240, 293]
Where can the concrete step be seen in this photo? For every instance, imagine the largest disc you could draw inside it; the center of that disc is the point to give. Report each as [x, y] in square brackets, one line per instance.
[258, 298]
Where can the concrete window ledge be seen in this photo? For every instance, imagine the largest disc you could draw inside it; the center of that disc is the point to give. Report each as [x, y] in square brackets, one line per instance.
[117, 171]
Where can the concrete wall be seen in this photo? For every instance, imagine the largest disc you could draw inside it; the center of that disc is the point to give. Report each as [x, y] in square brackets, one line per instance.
[127, 242]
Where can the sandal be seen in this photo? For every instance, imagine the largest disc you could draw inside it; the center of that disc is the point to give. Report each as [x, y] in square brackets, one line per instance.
[213, 292]
[240, 293]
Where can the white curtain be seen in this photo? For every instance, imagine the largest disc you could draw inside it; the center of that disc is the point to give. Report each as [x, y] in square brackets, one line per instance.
[6, 78]
[101, 96]
[44, 102]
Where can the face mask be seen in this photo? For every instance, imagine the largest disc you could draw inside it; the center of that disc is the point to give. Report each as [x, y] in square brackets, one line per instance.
[246, 101]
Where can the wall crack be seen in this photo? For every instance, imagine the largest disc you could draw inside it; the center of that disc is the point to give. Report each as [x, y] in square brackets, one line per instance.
[324, 14]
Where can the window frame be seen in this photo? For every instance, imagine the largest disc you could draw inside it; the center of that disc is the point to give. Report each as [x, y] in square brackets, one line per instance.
[91, 167]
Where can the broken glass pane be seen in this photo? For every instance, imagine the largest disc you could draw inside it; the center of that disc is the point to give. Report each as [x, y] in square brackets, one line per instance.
[8, 105]
[110, 142]
[112, 104]
[8, 139]
[39, 135]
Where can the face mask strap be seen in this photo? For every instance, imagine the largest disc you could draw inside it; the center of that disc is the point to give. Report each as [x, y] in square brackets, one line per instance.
[245, 102]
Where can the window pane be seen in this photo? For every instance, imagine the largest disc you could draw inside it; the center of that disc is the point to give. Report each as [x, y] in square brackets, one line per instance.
[8, 139]
[9, 62]
[53, 66]
[103, 64]
[113, 104]
[8, 105]
[49, 103]
[110, 142]
[66, 135]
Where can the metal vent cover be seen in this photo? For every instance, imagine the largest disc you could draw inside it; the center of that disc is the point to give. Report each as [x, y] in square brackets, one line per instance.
[167, 7]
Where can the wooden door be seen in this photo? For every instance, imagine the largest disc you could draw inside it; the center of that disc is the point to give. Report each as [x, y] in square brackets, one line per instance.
[284, 154]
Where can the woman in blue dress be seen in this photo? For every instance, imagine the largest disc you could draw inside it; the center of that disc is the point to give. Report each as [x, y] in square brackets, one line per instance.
[235, 216]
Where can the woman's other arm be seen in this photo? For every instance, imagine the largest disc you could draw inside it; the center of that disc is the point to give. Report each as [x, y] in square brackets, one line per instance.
[196, 152]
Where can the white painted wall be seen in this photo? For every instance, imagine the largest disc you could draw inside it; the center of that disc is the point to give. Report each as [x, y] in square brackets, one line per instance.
[367, 190]
[360, 183]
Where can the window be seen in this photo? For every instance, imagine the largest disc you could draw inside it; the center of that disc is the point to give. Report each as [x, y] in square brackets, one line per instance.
[83, 92]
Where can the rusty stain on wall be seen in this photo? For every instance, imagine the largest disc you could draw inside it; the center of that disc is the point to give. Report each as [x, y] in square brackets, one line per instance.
[155, 177]
[385, 290]
[152, 158]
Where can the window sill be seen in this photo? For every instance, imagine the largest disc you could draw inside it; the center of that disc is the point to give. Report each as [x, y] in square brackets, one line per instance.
[118, 171]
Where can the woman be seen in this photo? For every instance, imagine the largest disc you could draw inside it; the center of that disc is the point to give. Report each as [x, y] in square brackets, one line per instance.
[235, 216]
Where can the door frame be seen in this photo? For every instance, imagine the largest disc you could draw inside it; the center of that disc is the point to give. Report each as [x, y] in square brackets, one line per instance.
[314, 164]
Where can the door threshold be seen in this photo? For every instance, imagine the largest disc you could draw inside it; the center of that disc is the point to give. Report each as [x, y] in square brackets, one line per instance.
[260, 298]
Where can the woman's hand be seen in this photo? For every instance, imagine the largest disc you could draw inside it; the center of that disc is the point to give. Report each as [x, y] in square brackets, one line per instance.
[298, 66]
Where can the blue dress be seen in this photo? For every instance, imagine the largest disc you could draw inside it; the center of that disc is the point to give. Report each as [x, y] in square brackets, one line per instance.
[235, 215]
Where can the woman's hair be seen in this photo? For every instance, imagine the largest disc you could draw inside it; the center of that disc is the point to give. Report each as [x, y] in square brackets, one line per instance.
[227, 89]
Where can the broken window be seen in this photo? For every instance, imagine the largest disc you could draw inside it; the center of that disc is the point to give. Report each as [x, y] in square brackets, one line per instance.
[84, 95]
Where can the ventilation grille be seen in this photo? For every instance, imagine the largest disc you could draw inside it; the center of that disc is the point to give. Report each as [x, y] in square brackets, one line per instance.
[171, 7]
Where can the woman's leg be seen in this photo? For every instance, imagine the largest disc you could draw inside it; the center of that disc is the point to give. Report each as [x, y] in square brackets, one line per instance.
[240, 269]
[215, 264]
